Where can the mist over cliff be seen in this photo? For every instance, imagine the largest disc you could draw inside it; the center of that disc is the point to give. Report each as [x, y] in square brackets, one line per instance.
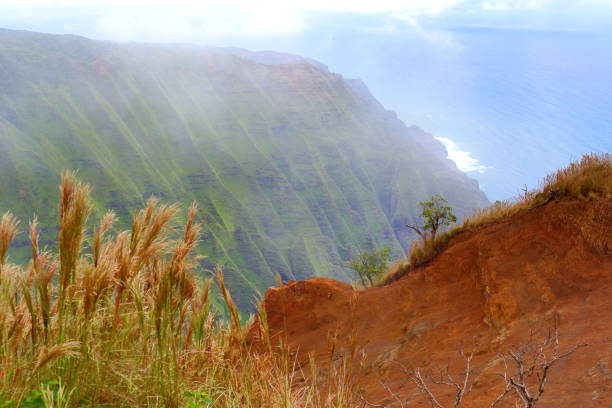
[295, 169]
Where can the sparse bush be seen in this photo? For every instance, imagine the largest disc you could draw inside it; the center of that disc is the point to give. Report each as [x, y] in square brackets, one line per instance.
[370, 265]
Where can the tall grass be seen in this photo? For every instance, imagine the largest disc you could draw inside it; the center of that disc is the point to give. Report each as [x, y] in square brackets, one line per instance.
[118, 319]
[587, 179]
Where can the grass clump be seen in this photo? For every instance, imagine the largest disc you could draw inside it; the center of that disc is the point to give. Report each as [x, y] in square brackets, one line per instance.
[587, 179]
[120, 320]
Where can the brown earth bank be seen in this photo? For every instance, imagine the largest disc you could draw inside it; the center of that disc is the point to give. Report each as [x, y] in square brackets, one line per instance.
[487, 292]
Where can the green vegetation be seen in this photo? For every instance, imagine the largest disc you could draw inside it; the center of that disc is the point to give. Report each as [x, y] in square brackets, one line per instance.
[294, 171]
[590, 178]
[120, 320]
[370, 265]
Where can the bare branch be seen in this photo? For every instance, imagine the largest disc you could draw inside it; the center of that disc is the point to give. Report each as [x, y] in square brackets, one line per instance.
[418, 379]
[366, 403]
[394, 395]
[533, 361]
[445, 378]
[466, 387]
[418, 230]
[507, 386]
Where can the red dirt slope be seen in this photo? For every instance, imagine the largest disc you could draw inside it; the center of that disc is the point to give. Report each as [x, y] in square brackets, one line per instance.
[488, 289]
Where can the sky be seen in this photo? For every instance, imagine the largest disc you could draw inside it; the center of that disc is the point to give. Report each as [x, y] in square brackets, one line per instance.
[211, 21]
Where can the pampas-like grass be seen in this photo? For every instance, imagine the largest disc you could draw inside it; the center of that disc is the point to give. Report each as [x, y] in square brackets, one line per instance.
[119, 319]
[8, 230]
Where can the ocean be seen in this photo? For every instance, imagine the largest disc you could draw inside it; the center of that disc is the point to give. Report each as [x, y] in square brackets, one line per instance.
[510, 105]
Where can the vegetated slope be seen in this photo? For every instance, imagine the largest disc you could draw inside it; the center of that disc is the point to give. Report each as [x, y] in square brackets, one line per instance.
[295, 169]
[486, 290]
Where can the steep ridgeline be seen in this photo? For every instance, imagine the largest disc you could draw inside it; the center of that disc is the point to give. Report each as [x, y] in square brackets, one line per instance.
[295, 169]
[490, 290]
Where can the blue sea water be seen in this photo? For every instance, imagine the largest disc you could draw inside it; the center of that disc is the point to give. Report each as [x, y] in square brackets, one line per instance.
[512, 105]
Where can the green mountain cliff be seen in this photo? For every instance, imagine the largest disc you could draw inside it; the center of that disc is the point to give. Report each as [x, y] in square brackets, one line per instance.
[295, 169]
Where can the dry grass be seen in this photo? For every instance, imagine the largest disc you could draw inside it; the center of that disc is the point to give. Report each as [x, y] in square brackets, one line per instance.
[587, 179]
[118, 319]
[395, 271]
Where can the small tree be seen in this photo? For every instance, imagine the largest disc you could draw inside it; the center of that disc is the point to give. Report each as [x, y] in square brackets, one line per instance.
[435, 215]
[370, 264]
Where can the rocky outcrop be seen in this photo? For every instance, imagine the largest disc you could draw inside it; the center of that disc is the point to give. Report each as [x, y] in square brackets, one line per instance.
[487, 291]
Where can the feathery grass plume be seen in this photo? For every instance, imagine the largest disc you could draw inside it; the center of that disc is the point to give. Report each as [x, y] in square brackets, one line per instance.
[148, 229]
[8, 230]
[33, 235]
[107, 222]
[44, 271]
[200, 307]
[147, 242]
[27, 299]
[259, 330]
[179, 263]
[74, 209]
[123, 259]
[174, 293]
[236, 327]
[46, 355]
[19, 327]
[10, 286]
[96, 280]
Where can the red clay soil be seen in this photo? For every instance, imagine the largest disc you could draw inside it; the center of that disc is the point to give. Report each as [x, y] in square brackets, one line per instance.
[486, 291]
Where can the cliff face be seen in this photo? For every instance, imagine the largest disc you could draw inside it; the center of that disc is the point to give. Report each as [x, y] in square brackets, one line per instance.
[295, 169]
[487, 291]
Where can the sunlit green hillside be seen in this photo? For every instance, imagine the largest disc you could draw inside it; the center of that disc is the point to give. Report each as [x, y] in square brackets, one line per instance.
[295, 169]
